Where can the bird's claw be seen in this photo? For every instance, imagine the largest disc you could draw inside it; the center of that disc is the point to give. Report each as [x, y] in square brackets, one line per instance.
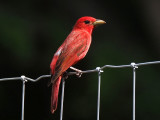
[78, 72]
[65, 76]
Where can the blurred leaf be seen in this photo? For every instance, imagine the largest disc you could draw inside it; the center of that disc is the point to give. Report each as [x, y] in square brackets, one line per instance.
[15, 35]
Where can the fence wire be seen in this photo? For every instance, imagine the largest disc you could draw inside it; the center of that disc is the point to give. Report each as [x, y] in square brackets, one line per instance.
[99, 70]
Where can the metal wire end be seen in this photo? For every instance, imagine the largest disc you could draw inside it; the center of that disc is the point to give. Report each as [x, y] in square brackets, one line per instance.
[134, 65]
[99, 69]
[23, 78]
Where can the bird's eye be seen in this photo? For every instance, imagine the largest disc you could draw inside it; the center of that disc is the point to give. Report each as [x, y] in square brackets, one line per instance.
[86, 22]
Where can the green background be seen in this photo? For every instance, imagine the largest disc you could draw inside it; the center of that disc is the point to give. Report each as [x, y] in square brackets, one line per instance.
[30, 33]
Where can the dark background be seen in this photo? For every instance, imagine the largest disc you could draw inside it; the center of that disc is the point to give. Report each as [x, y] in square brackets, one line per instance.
[30, 33]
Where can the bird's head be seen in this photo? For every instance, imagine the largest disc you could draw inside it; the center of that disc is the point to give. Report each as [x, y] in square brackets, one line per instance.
[87, 23]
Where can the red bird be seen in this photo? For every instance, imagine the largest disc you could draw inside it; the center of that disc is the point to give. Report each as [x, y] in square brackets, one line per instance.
[73, 49]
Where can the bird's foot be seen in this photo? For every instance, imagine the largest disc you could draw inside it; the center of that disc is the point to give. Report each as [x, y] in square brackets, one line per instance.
[78, 72]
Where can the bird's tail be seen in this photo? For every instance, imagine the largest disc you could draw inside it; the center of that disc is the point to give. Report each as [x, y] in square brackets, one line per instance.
[54, 94]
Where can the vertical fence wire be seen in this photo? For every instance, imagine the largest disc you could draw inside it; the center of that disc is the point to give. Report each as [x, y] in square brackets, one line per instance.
[62, 98]
[134, 92]
[23, 96]
[99, 91]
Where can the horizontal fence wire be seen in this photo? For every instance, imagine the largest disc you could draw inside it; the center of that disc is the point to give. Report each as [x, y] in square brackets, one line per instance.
[99, 70]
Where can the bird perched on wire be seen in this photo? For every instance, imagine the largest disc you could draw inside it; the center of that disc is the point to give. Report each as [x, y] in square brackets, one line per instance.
[73, 49]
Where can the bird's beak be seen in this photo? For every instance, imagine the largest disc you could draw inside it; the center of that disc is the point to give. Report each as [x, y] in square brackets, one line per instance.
[99, 22]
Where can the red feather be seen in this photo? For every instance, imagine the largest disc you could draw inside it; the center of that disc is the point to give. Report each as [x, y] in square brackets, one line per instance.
[73, 49]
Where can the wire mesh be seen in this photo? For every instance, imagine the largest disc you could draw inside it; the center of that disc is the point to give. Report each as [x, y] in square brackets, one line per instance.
[99, 70]
[62, 99]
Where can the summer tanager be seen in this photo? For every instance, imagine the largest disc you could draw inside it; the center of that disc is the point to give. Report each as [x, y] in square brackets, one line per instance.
[73, 49]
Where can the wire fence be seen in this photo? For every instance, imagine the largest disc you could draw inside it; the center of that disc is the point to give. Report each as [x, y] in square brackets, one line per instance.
[98, 70]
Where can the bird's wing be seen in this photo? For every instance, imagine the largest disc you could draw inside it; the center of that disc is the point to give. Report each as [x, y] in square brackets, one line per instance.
[74, 49]
[55, 58]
